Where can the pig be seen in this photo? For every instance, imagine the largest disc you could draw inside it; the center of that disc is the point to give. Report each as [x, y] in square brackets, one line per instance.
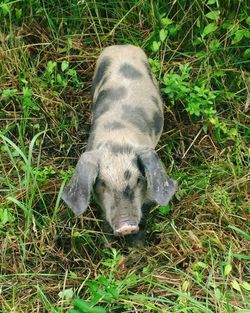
[120, 165]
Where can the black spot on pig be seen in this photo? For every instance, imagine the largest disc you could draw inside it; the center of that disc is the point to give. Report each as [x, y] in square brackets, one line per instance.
[149, 71]
[156, 102]
[100, 182]
[157, 122]
[127, 174]
[104, 99]
[129, 71]
[116, 94]
[136, 116]
[129, 193]
[114, 125]
[93, 87]
[110, 94]
[102, 68]
[101, 109]
[138, 164]
[120, 149]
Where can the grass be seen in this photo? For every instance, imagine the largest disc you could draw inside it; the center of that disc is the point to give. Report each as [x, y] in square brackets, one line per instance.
[197, 254]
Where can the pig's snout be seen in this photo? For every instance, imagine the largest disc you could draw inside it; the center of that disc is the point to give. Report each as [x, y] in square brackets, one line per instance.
[126, 229]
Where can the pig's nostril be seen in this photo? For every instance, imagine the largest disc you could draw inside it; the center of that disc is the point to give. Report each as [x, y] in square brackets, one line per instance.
[126, 230]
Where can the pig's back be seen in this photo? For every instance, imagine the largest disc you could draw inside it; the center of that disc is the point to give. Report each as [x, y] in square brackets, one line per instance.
[126, 100]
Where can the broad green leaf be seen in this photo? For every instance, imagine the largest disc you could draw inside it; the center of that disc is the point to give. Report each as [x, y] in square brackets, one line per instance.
[97, 309]
[246, 54]
[18, 13]
[66, 294]
[72, 274]
[227, 269]
[198, 22]
[51, 66]
[156, 46]
[196, 41]
[219, 73]
[214, 45]
[226, 25]
[246, 285]
[5, 216]
[165, 209]
[81, 305]
[232, 132]
[213, 15]
[211, 1]
[64, 65]
[173, 29]
[5, 8]
[163, 34]
[59, 79]
[185, 285]
[210, 28]
[217, 293]
[103, 280]
[27, 92]
[166, 21]
[71, 72]
[239, 35]
[235, 285]
[7, 93]
[199, 265]
[113, 292]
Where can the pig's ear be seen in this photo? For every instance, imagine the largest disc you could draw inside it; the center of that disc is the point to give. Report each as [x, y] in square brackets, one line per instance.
[77, 193]
[160, 187]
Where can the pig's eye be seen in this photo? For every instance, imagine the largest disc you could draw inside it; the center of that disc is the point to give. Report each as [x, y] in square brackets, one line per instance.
[100, 183]
[140, 179]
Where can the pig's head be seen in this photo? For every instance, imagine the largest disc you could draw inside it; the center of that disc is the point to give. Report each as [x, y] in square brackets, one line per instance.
[121, 179]
[120, 189]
